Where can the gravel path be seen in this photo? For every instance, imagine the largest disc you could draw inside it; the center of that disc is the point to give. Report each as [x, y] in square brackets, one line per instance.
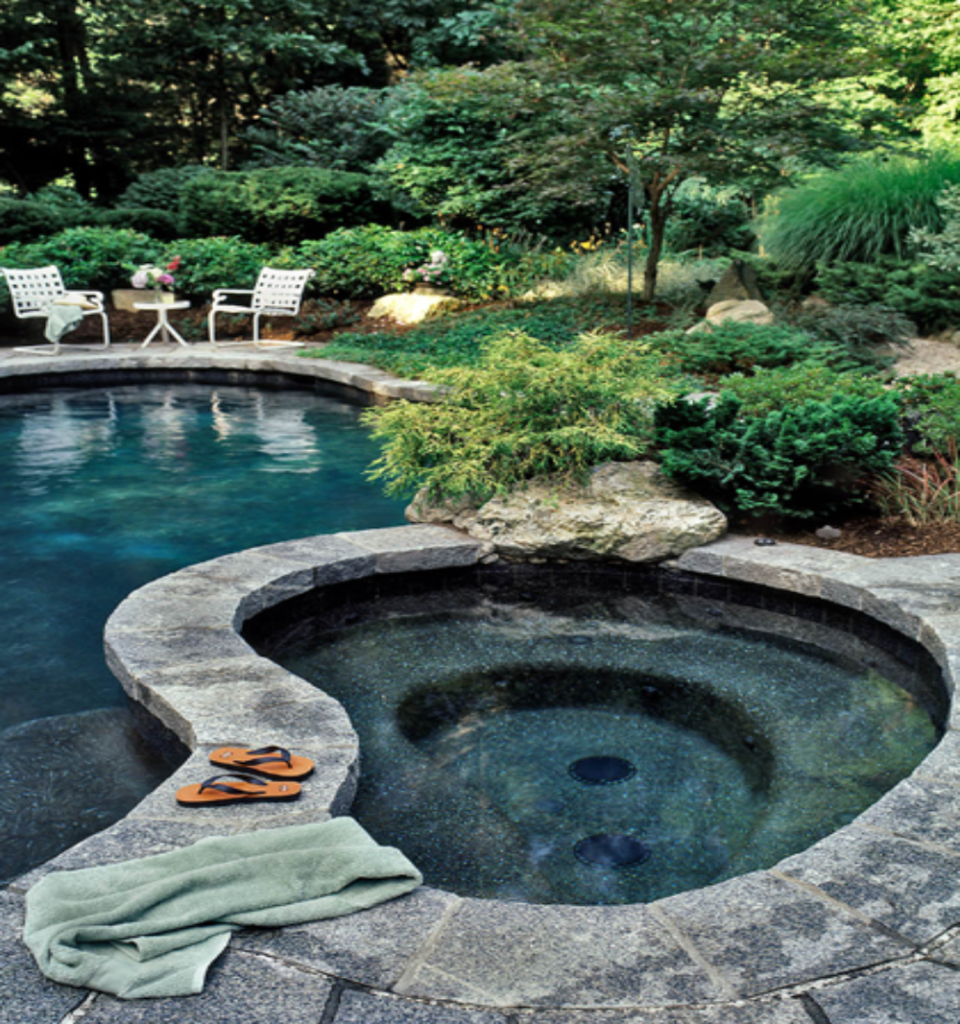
[928, 355]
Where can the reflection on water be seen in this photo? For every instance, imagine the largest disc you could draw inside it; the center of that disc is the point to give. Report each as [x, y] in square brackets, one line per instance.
[105, 489]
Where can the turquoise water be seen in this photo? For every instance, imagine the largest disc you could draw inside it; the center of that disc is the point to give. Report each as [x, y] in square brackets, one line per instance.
[104, 489]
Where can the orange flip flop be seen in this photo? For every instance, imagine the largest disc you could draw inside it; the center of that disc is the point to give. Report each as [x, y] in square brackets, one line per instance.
[271, 762]
[241, 789]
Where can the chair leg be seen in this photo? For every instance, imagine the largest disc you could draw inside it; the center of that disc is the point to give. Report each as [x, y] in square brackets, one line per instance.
[106, 330]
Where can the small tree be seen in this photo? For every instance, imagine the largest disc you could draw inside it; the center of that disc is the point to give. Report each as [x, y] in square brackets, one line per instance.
[728, 90]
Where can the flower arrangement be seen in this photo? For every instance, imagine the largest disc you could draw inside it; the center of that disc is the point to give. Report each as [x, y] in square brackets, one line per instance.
[434, 271]
[149, 276]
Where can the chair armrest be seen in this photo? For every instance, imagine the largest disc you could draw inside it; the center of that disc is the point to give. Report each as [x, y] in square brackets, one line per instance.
[221, 292]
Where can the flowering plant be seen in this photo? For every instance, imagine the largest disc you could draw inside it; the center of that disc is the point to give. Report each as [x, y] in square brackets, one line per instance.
[434, 271]
[149, 276]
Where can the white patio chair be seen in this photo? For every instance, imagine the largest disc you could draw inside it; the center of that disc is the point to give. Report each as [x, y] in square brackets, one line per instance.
[277, 293]
[34, 291]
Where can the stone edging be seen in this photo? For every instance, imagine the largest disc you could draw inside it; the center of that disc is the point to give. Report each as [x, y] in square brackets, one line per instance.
[29, 370]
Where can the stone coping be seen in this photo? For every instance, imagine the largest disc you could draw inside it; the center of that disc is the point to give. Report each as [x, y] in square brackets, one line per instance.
[27, 370]
[862, 927]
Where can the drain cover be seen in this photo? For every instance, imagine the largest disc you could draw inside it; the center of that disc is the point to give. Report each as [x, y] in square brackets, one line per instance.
[609, 850]
[602, 771]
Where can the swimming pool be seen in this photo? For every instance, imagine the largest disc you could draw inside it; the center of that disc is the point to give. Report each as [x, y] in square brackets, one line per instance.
[104, 489]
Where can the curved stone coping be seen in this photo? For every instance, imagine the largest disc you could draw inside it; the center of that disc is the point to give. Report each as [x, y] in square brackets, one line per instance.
[377, 385]
[871, 905]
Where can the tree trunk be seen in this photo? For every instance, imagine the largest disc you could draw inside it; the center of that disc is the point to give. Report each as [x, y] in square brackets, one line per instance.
[71, 42]
[656, 210]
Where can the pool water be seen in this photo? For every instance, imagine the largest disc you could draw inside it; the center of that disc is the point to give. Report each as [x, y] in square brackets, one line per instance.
[103, 490]
[576, 744]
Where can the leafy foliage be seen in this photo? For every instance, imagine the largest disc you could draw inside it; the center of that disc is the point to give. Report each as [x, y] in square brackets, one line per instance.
[733, 346]
[368, 261]
[767, 390]
[338, 127]
[927, 295]
[282, 205]
[801, 461]
[461, 340]
[88, 257]
[724, 90]
[160, 189]
[526, 410]
[931, 402]
[208, 263]
[710, 219]
[942, 250]
[859, 212]
[862, 335]
[454, 135]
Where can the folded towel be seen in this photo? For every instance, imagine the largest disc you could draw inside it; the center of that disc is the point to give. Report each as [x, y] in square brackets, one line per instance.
[62, 317]
[153, 926]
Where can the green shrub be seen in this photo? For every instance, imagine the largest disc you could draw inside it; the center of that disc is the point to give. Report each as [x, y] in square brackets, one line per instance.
[209, 263]
[770, 389]
[800, 462]
[88, 257]
[368, 261]
[732, 346]
[361, 262]
[340, 128]
[461, 340]
[160, 189]
[46, 212]
[929, 296]
[862, 335]
[281, 205]
[942, 249]
[160, 224]
[860, 212]
[932, 405]
[527, 410]
[711, 220]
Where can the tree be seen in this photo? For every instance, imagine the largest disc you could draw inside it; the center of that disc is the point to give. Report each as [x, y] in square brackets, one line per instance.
[725, 90]
[457, 155]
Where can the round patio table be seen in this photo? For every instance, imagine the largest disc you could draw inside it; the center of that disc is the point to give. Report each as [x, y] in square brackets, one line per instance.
[163, 327]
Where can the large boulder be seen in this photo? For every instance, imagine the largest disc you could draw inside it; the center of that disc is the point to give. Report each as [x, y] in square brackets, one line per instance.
[411, 307]
[627, 510]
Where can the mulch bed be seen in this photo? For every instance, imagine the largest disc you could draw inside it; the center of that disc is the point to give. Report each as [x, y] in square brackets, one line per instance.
[874, 538]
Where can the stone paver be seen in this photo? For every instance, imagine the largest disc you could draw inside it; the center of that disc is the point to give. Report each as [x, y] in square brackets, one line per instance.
[863, 928]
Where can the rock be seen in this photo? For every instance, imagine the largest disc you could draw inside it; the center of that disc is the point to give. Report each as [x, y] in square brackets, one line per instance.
[738, 281]
[750, 310]
[410, 307]
[627, 510]
[732, 309]
[829, 533]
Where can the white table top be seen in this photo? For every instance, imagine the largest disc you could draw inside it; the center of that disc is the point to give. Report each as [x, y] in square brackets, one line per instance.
[179, 304]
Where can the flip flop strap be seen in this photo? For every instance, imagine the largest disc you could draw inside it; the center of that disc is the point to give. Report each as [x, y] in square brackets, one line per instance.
[213, 783]
[281, 755]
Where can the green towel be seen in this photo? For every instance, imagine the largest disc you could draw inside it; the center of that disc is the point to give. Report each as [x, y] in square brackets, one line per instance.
[152, 927]
[64, 313]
